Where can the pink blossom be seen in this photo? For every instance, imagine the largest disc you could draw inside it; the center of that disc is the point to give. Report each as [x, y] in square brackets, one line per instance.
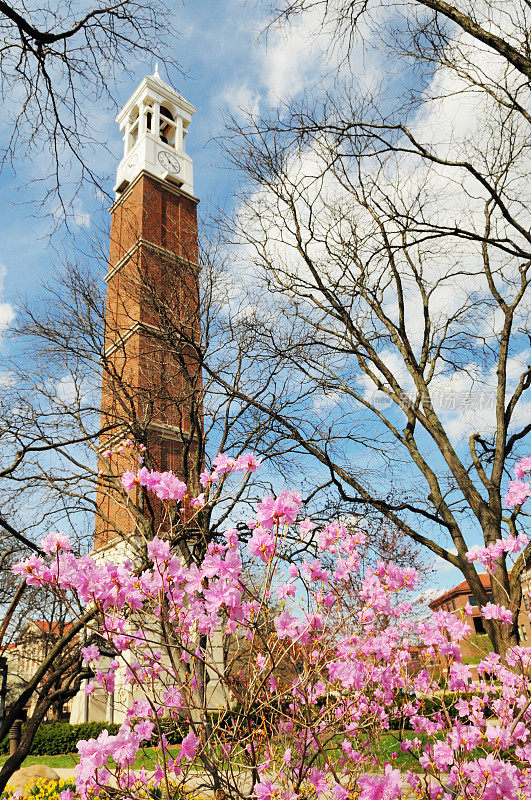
[33, 570]
[261, 661]
[261, 545]
[189, 747]
[306, 526]
[523, 466]
[443, 755]
[293, 571]
[265, 790]
[54, 542]
[204, 478]
[247, 462]
[286, 590]
[158, 550]
[381, 787]
[169, 487]
[129, 480]
[493, 611]
[283, 510]
[286, 625]
[90, 653]
[338, 792]
[517, 493]
[199, 501]
[223, 463]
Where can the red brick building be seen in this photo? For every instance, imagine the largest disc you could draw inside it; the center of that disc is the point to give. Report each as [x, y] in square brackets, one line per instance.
[456, 598]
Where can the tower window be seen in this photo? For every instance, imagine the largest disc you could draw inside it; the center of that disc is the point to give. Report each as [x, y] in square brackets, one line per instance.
[472, 600]
[523, 633]
[133, 128]
[167, 126]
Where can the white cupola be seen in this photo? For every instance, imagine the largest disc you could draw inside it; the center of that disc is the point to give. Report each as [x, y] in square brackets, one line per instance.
[154, 123]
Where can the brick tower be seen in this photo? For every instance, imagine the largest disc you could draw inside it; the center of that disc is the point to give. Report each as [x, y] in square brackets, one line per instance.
[151, 375]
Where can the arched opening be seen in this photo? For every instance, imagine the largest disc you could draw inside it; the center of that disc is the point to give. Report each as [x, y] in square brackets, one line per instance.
[167, 126]
[133, 127]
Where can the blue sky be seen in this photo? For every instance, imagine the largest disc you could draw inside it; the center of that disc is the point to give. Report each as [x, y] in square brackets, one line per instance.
[226, 67]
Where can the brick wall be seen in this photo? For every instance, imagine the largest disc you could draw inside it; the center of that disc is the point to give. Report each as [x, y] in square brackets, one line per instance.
[151, 372]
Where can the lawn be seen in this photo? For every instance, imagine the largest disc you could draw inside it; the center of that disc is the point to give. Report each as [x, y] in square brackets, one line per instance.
[69, 760]
[388, 745]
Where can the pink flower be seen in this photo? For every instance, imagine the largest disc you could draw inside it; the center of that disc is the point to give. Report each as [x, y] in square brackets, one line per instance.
[443, 755]
[286, 625]
[128, 480]
[286, 590]
[283, 509]
[247, 462]
[158, 550]
[523, 466]
[338, 792]
[517, 493]
[189, 747]
[32, 569]
[90, 653]
[204, 478]
[173, 698]
[261, 545]
[261, 661]
[169, 487]
[381, 787]
[264, 790]
[144, 729]
[223, 463]
[199, 501]
[493, 611]
[306, 526]
[54, 542]
[293, 571]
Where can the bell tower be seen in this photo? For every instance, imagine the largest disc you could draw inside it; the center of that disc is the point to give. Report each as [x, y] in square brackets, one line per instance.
[151, 373]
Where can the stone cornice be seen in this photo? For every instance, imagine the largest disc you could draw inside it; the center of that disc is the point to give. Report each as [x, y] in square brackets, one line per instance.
[170, 187]
[157, 248]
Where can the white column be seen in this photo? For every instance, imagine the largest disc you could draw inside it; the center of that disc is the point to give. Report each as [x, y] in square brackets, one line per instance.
[179, 138]
[155, 121]
[126, 139]
[142, 123]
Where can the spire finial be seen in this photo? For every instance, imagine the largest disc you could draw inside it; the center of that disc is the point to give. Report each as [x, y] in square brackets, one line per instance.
[156, 73]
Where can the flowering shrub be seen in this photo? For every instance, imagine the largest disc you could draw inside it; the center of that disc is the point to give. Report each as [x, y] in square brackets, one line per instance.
[42, 789]
[310, 703]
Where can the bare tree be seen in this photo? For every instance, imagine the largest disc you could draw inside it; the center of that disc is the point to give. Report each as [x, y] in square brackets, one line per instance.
[58, 62]
[391, 249]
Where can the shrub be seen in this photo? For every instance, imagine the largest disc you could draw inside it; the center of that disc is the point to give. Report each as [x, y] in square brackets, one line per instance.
[56, 738]
[41, 790]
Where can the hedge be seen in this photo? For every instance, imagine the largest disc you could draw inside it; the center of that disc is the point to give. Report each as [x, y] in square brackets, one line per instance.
[56, 738]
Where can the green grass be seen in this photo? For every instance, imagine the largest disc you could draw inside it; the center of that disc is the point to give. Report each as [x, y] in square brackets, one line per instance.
[69, 760]
[66, 761]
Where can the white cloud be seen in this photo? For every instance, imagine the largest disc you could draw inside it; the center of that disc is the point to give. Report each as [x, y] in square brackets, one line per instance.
[241, 99]
[7, 312]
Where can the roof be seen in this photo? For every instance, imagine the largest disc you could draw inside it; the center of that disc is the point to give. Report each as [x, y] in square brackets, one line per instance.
[456, 591]
[52, 627]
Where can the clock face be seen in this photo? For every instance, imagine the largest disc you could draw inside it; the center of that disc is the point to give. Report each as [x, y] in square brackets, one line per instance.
[169, 162]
